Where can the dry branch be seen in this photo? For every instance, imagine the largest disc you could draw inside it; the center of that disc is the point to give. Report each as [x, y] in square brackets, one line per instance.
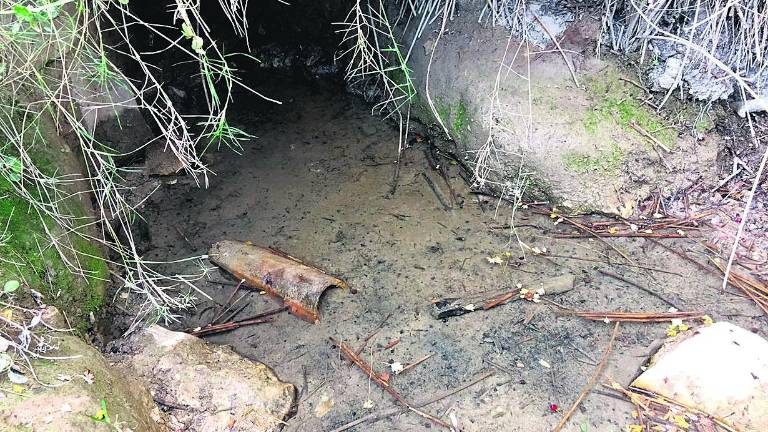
[384, 384]
[420, 404]
[635, 316]
[592, 381]
[224, 327]
[754, 289]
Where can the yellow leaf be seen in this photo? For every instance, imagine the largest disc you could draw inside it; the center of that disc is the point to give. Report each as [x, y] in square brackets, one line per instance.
[8, 314]
[18, 388]
[707, 320]
[672, 331]
[680, 422]
[634, 428]
[613, 230]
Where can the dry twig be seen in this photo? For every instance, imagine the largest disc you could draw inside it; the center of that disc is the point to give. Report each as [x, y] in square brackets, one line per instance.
[420, 404]
[384, 384]
[592, 381]
[224, 327]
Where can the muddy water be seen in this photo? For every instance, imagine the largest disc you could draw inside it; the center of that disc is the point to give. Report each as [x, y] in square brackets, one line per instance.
[314, 184]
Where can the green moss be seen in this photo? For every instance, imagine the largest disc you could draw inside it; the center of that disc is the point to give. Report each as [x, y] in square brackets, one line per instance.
[460, 118]
[615, 103]
[444, 111]
[26, 246]
[39, 264]
[606, 161]
[704, 125]
[453, 116]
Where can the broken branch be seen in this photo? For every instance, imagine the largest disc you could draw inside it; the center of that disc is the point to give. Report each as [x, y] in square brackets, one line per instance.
[420, 404]
[220, 328]
[360, 363]
[592, 381]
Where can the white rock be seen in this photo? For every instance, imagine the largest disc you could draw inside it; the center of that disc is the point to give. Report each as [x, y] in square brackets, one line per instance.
[721, 369]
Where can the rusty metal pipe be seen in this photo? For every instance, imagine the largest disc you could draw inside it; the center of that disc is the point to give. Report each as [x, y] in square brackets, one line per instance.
[299, 285]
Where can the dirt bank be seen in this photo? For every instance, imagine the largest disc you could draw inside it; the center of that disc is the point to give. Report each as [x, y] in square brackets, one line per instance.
[555, 120]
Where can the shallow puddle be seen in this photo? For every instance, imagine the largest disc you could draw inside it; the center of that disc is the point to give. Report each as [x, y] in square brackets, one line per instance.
[315, 184]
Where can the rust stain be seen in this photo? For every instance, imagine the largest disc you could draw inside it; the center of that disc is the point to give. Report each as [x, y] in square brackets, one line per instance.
[299, 285]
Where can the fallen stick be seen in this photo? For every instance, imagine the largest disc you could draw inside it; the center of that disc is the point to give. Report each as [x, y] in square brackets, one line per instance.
[751, 287]
[635, 316]
[391, 344]
[597, 236]
[451, 307]
[360, 363]
[436, 192]
[551, 255]
[441, 170]
[646, 400]
[621, 234]
[373, 333]
[220, 328]
[228, 304]
[648, 135]
[592, 381]
[684, 256]
[420, 404]
[234, 314]
[186, 240]
[225, 327]
[417, 362]
[560, 49]
[638, 286]
[395, 176]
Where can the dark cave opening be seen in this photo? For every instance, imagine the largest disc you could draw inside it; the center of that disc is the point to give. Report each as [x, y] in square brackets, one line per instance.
[298, 41]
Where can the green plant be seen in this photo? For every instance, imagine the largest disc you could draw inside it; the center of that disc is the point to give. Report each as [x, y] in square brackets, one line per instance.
[460, 117]
[615, 104]
[606, 161]
[11, 168]
[102, 415]
[10, 286]
[57, 236]
[375, 59]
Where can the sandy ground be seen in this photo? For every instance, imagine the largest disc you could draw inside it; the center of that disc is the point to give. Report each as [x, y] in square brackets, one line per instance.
[314, 184]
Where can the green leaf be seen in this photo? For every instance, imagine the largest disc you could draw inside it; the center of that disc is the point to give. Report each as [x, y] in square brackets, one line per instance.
[22, 12]
[125, 2]
[11, 286]
[101, 415]
[187, 31]
[197, 45]
[12, 164]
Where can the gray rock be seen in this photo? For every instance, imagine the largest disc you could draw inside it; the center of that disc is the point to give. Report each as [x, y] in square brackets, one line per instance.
[73, 391]
[206, 387]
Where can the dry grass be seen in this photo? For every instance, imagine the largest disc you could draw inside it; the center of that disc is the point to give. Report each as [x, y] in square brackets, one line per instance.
[72, 36]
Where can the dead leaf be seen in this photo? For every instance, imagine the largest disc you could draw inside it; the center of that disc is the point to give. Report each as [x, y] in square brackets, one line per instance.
[324, 405]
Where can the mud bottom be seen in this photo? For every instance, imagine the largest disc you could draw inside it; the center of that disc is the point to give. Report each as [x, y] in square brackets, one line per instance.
[315, 184]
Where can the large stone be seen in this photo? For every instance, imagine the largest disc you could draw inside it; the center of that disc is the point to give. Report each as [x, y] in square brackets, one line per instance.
[206, 387]
[67, 392]
[721, 369]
